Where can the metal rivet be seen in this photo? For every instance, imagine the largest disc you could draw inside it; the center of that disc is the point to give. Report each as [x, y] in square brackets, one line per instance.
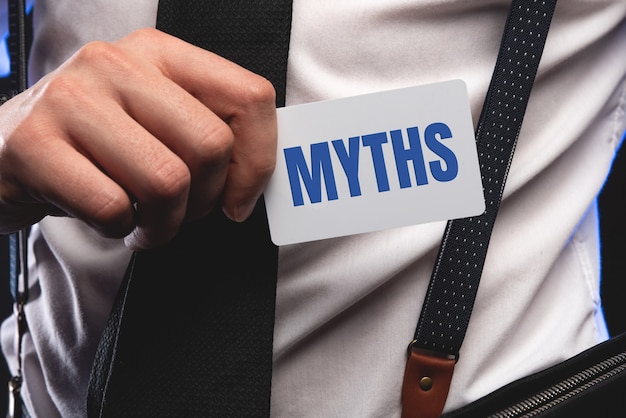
[426, 383]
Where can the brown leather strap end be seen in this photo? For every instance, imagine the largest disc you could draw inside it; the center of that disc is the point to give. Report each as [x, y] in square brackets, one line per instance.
[426, 384]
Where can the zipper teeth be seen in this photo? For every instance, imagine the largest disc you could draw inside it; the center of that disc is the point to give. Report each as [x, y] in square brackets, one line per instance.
[566, 389]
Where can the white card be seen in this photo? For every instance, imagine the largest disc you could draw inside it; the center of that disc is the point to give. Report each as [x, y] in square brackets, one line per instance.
[372, 162]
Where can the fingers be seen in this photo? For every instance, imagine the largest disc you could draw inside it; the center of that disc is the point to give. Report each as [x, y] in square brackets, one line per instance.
[244, 100]
[155, 179]
[135, 137]
[71, 183]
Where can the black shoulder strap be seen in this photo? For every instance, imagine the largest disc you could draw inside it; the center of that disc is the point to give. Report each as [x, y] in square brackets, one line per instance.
[20, 31]
[454, 282]
[191, 331]
[463, 250]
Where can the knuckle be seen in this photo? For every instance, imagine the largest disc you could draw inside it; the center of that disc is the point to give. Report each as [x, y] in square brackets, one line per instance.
[144, 35]
[104, 57]
[170, 181]
[111, 214]
[65, 88]
[95, 51]
[258, 91]
[216, 142]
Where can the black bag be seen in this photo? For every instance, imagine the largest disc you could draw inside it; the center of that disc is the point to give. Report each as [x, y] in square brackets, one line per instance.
[591, 384]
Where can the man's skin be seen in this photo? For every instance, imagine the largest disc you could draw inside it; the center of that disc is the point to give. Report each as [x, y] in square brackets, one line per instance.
[135, 137]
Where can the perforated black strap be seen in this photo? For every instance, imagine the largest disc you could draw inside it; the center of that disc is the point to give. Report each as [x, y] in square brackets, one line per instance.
[192, 329]
[455, 278]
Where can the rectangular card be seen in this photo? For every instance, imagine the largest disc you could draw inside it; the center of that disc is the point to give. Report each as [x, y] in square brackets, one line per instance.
[372, 162]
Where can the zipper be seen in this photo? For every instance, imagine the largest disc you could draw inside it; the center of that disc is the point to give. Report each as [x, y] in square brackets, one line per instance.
[566, 389]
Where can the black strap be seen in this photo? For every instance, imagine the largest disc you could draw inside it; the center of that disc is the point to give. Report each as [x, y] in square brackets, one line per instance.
[18, 81]
[456, 275]
[191, 331]
[18, 46]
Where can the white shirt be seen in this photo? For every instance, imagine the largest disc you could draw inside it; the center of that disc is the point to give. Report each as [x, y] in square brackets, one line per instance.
[347, 307]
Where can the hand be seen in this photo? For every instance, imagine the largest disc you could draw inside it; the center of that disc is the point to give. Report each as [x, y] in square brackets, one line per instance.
[136, 136]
